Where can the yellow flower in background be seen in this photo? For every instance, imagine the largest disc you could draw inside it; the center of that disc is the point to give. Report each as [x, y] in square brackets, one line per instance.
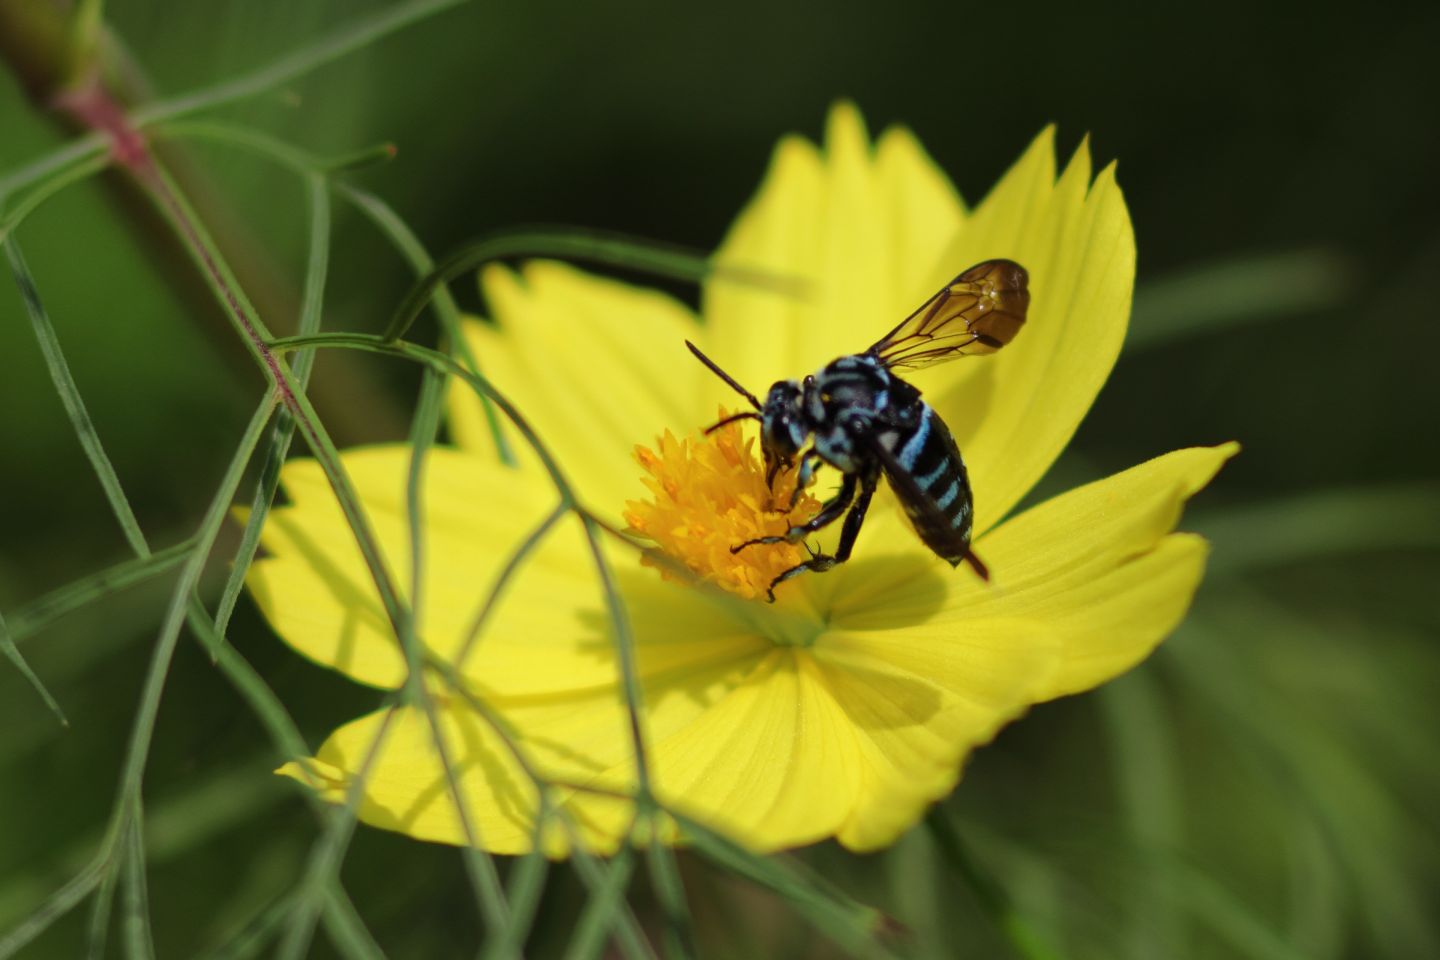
[850, 704]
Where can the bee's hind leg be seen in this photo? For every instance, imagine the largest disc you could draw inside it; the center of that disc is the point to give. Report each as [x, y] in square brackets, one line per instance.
[820, 562]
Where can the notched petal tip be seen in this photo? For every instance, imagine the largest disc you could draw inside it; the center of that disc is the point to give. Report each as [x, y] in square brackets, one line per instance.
[846, 134]
[1102, 565]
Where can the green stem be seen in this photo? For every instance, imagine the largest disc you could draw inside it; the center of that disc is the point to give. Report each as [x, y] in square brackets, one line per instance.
[323, 869]
[355, 35]
[570, 243]
[266, 486]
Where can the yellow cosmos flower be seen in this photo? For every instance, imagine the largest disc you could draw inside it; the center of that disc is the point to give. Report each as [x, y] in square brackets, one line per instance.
[851, 703]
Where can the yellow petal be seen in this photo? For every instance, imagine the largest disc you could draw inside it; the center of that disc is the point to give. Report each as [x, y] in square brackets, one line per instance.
[406, 790]
[1098, 566]
[860, 229]
[582, 739]
[1013, 412]
[548, 632]
[770, 763]
[852, 737]
[916, 702]
[594, 365]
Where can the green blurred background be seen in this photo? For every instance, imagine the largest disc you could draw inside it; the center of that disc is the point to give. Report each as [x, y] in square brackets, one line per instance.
[1266, 786]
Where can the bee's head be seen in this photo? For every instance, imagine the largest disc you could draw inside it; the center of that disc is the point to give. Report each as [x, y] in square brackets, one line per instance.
[782, 426]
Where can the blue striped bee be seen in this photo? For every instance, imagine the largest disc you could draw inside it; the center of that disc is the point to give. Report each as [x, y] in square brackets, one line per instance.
[866, 421]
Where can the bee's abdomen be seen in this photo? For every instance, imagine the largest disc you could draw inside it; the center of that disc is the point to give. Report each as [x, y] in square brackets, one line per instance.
[935, 492]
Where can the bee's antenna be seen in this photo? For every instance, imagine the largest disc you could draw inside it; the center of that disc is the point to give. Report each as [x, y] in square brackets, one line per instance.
[746, 415]
[728, 379]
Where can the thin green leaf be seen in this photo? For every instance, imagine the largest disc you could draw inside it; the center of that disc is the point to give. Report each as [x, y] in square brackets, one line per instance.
[527, 883]
[76, 151]
[12, 653]
[222, 280]
[70, 397]
[598, 879]
[511, 567]
[100, 910]
[311, 307]
[321, 878]
[664, 873]
[46, 609]
[670, 892]
[127, 803]
[263, 703]
[347, 931]
[328, 853]
[479, 864]
[59, 903]
[343, 924]
[665, 877]
[398, 232]
[1221, 297]
[853, 926]
[356, 35]
[175, 614]
[566, 243]
[592, 932]
[274, 149]
[256, 336]
[135, 917]
[256, 934]
[47, 189]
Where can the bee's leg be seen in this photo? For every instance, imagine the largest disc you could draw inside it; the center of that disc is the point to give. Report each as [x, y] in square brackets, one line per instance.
[854, 520]
[828, 514]
[820, 562]
[809, 460]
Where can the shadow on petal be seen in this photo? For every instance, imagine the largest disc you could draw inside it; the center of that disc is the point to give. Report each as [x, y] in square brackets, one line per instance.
[884, 700]
[968, 403]
[884, 592]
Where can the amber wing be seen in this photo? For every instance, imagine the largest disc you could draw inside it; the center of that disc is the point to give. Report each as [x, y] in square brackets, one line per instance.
[979, 311]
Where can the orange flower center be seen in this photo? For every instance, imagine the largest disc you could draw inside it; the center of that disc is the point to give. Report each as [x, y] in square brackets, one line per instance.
[708, 496]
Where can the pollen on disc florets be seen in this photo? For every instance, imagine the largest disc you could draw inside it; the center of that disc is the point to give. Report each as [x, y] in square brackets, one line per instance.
[708, 495]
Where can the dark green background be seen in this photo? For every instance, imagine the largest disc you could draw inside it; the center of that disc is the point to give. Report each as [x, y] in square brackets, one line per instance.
[1296, 707]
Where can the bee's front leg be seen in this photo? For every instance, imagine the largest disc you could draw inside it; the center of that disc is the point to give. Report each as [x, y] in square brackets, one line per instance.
[828, 514]
[809, 461]
[820, 562]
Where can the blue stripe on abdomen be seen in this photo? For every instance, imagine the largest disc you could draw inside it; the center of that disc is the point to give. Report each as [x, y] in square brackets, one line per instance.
[948, 497]
[928, 480]
[916, 443]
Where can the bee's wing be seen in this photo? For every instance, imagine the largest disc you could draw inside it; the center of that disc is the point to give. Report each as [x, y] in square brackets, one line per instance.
[979, 311]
